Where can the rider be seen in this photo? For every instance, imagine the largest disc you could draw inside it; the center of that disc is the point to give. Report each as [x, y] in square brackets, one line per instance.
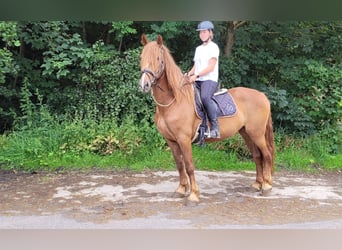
[205, 73]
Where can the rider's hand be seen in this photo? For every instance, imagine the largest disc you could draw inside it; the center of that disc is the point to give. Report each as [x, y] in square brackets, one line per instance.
[192, 78]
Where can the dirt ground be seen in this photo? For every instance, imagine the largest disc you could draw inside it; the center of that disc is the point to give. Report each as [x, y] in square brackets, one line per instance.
[125, 199]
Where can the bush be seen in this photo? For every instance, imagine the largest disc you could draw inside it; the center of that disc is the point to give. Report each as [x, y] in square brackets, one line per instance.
[108, 87]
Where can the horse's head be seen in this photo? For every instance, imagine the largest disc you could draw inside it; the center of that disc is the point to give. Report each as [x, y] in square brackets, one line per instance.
[152, 63]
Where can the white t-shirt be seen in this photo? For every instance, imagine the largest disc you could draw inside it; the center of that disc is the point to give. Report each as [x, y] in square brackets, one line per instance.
[202, 56]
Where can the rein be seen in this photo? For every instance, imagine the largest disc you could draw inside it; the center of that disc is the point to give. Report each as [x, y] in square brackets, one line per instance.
[172, 101]
[160, 104]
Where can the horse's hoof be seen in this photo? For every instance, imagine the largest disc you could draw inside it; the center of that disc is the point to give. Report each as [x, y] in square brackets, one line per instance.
[266, 187]
[256, 186]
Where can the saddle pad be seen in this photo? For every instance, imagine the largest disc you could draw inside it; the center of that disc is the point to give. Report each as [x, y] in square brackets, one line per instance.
[225, 103]
[223, 99]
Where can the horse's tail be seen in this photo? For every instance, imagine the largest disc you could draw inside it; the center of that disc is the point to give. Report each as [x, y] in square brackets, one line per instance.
[270, 140]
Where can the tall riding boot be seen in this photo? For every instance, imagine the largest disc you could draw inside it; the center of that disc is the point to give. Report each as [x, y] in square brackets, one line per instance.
[214, 130]
[212, 115]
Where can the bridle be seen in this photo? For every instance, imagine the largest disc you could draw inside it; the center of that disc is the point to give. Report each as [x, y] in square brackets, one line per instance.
[155, 76]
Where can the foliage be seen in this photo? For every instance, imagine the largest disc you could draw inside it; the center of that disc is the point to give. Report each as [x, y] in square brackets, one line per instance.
[121, 29]
[7, 64]
[292, 64]
[68, 89]
[9, 37]
[317, 90]
[107, 87]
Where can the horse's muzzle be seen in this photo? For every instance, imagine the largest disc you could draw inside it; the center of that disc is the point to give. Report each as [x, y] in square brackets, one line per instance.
[147, 80]
[144, 86]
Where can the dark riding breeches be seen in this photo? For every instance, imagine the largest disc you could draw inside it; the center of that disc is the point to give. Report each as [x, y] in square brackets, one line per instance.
[207, 89]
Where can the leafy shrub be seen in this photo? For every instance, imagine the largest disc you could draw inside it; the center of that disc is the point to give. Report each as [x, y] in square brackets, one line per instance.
[108, 87]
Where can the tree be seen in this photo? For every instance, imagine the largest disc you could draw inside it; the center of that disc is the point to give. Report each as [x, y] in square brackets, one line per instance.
[231, 27]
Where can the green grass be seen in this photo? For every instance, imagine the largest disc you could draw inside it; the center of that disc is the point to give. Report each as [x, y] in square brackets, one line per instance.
[210, 159]
[74, 147]
[205, 159]
[294, 159]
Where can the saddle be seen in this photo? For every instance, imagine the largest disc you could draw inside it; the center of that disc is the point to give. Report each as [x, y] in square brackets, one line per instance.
[226, 107]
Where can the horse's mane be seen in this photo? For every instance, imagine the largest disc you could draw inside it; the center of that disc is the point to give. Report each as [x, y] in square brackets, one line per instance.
[173, 73]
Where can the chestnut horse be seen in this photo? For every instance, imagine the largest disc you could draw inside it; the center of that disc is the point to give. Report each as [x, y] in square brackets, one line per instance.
[177, 120]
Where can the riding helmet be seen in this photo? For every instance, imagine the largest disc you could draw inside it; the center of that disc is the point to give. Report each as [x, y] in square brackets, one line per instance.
[205, 25]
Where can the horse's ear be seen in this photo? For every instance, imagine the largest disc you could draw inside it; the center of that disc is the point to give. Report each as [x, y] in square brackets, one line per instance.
[160, 40]
[144, 39]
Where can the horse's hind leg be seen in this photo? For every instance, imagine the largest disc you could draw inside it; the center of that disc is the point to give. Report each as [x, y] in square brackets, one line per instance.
[257, 158]
[266, 162]
[183, 177]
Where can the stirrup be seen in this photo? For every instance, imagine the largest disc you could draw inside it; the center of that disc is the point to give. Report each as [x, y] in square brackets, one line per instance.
[214, 133]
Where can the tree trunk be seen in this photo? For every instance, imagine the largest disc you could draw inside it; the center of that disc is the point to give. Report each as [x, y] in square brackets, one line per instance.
[108, 33]
[230, 39]
[21, 55]
[84, 32]
[231, 27]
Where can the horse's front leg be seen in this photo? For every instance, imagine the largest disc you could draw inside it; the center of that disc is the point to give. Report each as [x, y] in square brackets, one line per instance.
[183, 177]
[186, 148]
